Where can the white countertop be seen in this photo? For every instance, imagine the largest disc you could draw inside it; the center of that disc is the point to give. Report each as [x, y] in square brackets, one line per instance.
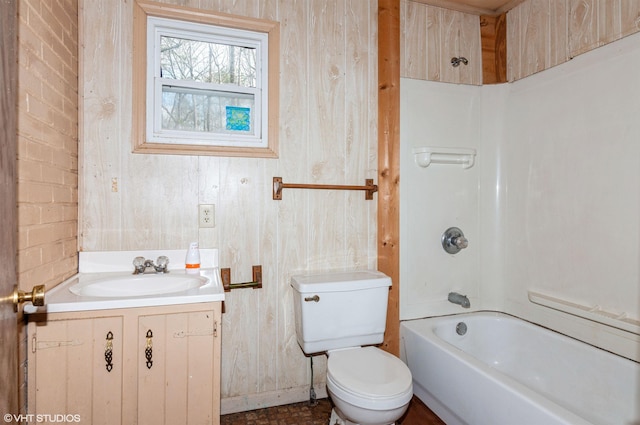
[99, 265]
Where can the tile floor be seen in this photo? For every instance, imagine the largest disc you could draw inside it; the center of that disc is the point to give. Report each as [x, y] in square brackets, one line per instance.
[303, 414]
[291, 414]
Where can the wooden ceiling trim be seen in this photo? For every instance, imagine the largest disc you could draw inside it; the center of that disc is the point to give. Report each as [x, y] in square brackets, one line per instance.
[472, 9]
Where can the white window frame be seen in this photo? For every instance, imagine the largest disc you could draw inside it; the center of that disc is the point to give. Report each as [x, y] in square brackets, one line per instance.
[158, 27]
[153, 20]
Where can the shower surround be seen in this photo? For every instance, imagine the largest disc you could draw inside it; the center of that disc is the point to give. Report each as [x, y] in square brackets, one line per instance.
[551, 206]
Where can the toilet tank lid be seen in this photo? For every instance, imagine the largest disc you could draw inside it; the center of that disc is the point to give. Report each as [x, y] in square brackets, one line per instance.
[340, 281]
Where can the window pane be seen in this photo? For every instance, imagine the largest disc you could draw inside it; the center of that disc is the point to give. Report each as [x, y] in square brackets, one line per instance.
[207, 111]
[207, 62]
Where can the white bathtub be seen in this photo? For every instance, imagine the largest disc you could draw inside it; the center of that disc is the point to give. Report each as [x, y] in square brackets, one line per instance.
[506, 371]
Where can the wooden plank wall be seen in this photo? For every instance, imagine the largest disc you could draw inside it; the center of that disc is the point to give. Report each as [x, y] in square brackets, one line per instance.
[542, 33]
[328, 135]
[431, 36]
[539, 34]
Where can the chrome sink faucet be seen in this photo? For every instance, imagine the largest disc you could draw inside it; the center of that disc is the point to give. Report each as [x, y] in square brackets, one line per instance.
[140, 265]
[460, 299]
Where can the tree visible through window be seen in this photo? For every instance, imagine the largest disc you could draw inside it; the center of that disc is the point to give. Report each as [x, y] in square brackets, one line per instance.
[205, 62]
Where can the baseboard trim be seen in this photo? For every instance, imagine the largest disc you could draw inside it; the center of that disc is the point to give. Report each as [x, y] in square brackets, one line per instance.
[248, 402]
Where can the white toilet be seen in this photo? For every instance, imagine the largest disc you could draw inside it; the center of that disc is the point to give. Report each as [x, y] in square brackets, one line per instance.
[339, 313]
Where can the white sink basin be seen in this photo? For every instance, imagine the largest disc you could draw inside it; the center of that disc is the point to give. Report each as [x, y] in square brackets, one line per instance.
[138, 285]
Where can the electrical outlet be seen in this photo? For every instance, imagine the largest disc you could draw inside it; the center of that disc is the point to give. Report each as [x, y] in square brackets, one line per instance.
[206, 215]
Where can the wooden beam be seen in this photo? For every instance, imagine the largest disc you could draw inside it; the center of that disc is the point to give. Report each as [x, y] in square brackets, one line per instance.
[493, 33]
[389, 162]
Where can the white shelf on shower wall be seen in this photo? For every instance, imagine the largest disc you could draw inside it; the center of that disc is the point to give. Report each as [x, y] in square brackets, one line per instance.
[425, 156]
[594, 313]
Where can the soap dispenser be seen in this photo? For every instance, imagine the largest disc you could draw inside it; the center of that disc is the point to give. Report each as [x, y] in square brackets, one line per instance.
[192, 262]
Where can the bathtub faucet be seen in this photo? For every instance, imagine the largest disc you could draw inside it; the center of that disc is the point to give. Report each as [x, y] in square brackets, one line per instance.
[456, 298]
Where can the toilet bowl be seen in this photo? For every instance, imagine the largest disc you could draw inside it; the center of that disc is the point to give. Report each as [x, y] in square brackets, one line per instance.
[368, 386]
[343, 314]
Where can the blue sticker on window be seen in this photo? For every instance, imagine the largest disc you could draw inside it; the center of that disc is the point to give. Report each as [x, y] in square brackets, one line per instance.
[238, 119]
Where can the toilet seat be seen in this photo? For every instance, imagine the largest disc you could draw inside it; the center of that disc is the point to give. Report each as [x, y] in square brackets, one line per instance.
[370, 378]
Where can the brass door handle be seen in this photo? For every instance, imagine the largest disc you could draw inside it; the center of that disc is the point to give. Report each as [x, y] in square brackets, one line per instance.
[36, 296]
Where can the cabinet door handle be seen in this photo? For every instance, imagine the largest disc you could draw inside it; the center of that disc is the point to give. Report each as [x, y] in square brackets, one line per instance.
[148, 350]
[108, 352]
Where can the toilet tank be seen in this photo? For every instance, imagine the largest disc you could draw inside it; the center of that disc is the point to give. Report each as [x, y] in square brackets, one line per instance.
[340, 309]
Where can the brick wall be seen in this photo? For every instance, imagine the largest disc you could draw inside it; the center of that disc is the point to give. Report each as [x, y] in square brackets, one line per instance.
[47, 165]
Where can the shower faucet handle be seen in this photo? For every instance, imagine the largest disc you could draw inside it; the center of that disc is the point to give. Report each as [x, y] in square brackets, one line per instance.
[453, 240]
[461, 242]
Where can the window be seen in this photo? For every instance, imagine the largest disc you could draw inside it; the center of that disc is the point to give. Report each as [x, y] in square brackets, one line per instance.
[204, 83]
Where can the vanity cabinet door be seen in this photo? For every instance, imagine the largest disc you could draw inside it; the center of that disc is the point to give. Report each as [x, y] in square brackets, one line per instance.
[178, 368]
[75, 368]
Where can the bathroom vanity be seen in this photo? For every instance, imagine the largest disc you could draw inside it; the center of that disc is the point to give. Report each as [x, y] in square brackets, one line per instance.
[156, 360]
